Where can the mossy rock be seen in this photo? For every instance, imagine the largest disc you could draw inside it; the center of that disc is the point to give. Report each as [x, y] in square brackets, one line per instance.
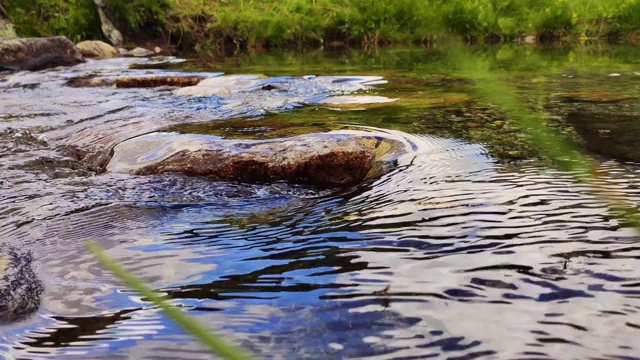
[435, 100]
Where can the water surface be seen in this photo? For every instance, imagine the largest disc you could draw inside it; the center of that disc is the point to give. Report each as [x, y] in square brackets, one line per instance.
[460, 252]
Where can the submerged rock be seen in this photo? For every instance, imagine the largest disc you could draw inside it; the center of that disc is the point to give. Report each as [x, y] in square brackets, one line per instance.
[38, 53]
[271, 127]
[20, 289]
[329, 159]
[614, 135]
[224, 84]
[91, 81]
[595, 96]
[97, 49]
[355, 102]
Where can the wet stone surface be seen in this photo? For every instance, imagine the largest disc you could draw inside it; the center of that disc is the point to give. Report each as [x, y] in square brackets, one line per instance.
[335, 159]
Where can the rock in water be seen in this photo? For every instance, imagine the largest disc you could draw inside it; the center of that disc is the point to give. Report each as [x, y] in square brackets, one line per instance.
[38, 53]
[595, 97]
[20, 289]
[325, 159]
[156, 81]
[140, 52]
[97, 49]
[609, 134]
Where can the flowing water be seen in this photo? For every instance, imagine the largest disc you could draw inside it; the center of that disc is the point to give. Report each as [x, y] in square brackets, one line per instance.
[458, 252]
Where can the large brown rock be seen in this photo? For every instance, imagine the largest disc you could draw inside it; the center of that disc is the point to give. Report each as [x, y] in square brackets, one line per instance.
[97, 49]
[326, 159]
[38, 53]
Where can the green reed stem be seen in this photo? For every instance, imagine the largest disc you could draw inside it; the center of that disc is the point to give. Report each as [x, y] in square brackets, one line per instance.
[186, 322]
[567, 157]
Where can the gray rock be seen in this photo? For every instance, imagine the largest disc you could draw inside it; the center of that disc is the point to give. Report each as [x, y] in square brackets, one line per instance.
[38, 53]
[20, 289]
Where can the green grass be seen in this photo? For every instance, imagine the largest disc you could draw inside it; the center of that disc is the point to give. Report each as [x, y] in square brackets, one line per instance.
[192, 327]
[212, 24]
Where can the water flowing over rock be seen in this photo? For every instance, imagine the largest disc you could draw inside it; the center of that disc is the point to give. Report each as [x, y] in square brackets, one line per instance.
[97, 49]
[355, 102]
[38, 53]
[327, 159]
[223, 85]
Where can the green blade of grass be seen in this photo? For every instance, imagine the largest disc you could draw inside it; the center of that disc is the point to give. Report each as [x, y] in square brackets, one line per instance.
[187, 323]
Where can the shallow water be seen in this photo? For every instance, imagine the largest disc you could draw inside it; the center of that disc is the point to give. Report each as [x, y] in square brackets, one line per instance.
[455, 253]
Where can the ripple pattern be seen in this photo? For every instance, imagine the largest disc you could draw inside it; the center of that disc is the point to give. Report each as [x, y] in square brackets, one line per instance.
[450, 255]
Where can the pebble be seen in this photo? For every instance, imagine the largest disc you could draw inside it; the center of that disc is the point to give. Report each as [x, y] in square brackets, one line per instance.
[140, 52]
[336, 346]
[371, 339]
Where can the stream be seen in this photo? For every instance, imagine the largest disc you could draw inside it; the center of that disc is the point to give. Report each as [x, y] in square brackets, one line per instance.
[470, 247]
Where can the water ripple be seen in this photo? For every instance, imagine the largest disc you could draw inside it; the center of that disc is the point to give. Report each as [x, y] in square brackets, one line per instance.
[449, 255]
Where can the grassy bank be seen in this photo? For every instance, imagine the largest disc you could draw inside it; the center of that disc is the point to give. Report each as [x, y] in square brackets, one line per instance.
[214, 24]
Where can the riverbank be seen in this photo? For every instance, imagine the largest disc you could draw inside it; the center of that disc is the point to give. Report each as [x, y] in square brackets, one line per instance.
[216, 25]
